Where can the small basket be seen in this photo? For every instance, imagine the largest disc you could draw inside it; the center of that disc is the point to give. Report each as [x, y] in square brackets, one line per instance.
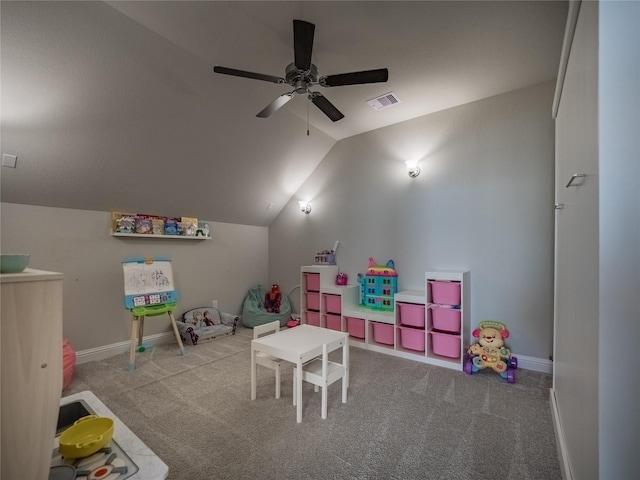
[333, 322]
[313, 318]
[445, 344]
[445, 319]
[412, 338]
[355, 327]
[411, 314]
[382, 333]
[332, 302]
[313, 300]
[313, 281]
[445, 293]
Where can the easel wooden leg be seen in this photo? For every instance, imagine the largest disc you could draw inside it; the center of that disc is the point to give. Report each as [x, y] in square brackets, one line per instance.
[132, 349]
[176, 332]
[140, 330]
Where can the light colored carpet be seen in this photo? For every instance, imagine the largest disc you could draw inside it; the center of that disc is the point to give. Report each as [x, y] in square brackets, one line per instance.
[402, 420]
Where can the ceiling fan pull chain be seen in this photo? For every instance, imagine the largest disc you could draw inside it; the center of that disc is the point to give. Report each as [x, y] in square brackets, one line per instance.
[307, 118]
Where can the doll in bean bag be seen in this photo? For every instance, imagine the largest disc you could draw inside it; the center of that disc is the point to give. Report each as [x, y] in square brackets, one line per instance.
[272, 299]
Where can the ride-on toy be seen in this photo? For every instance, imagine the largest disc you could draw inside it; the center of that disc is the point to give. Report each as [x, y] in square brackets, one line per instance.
[490, 351]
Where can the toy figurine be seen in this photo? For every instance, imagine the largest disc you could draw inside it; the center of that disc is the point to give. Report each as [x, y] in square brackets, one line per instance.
[490, 351]
[272, 299]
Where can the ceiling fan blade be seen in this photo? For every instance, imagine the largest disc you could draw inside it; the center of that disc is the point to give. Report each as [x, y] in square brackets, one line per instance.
[242, 73]
[275, 105]
[326, 106]
[355, 78]
[303, 43]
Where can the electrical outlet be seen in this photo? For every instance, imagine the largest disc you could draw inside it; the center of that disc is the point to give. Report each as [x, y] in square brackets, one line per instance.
[214, 303]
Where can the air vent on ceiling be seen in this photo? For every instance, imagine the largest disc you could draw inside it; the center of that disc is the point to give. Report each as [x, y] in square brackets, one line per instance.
[384, 101]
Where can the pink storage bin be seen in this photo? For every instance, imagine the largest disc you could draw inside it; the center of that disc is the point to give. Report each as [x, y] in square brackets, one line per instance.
[313, 300]
[412, 338]
[333, 322]
[355, 327]
[411, 314]
[313, 318]
[445, 319]
[313, 281]
[445, 345]
[332, 302]
[445, 293]
[382, 333]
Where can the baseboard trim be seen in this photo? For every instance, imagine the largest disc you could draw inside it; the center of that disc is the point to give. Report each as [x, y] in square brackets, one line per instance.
[100, 353]
[106, 351]
[535, 364]
[560, 442]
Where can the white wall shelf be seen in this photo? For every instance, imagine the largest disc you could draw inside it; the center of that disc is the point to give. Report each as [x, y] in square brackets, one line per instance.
[166, 237]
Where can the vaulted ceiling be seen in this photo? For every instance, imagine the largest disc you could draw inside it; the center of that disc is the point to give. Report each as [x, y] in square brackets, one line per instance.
[115, 106]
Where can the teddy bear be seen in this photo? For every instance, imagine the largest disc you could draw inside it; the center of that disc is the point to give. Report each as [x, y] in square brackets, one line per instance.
[489, 350]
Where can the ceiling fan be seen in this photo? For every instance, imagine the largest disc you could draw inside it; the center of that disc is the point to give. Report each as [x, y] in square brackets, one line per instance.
[302, 74]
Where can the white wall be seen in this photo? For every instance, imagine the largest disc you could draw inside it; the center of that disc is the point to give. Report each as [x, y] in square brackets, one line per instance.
[78, 244]
[619, 330]
[483, 202]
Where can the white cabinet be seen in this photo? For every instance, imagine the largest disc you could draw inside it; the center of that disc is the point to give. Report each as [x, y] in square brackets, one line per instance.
[422, 327]
[31, 370]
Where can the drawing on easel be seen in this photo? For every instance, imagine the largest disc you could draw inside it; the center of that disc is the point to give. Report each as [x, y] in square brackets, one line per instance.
[148, 282]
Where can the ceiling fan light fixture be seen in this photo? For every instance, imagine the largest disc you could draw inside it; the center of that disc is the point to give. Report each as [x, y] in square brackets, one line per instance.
[302, 74]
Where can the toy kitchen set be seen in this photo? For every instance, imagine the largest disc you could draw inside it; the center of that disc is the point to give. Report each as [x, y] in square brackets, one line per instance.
[43, 435]
[124, 456]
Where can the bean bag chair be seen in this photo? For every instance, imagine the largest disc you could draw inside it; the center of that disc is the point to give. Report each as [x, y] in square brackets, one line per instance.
[254, 313]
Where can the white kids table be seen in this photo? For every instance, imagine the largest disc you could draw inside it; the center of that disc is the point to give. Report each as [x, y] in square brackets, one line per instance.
[297, 345]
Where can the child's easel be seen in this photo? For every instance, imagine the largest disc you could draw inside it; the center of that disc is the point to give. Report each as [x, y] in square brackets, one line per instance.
[148, 292]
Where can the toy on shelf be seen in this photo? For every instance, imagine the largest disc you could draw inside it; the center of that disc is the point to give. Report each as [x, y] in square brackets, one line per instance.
[203, 230]
[327, 257]
[342, 278]
[126, 224]
[378, 285]
[490, 351]
[272, 299]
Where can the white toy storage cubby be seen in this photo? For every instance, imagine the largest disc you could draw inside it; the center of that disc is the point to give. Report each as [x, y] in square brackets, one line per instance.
[421, 326]
[314, 281]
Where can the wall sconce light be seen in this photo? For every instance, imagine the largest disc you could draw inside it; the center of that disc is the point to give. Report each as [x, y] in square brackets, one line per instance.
[305, 207]
[412, 168]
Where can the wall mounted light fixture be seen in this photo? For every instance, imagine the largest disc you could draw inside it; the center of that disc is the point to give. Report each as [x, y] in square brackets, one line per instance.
[305, 207]
[412, 168]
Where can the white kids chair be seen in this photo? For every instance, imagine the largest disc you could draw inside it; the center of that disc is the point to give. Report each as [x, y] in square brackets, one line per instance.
[321, 372]
[265, 360]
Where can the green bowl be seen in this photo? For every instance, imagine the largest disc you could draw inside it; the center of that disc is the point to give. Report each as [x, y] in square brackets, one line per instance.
[13, 263]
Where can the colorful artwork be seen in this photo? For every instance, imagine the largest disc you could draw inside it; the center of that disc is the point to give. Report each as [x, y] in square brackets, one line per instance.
[148, 283]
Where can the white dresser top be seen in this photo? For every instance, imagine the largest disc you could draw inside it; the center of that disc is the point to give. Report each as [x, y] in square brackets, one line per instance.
[29, 275]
